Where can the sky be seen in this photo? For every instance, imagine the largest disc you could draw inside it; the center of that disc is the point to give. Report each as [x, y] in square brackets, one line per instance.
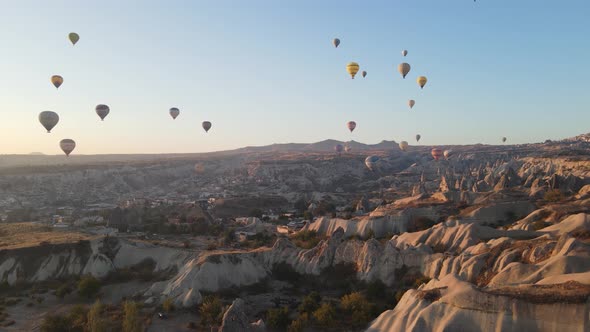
[265, 71]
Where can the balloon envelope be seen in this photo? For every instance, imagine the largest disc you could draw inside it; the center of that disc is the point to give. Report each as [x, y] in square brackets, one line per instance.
[67, 145]
[336, 42]
[206, 125]
[364, 73]
[404, 69]
[403, 145]
[421, 81]
[102, 111]
[339, 148]
[503, 139]
[371, 161]
[351, 125]
[48, 119]
[74, 37]
[174, 112]
[436, 153]
[347, 148]
[411, 103]
[199, 168]
[405, 52]
[352, 68]
[448, 153]
[418, 138]
[57, 81]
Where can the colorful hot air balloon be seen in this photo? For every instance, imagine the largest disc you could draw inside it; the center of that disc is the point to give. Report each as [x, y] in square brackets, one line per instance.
[206, 125]
[364, 73]
[102, 111]
[57, 81]
[404, 69]
[352, 68]
[74, 37]
[67, 145]
[347, 148]
[336, 42]
[411, 103]
[405, 52]
[418, 137]
[403, 145]
[421, 81]
[503, 139]
[448, 153]
[371, 162]
[48, 119]
[174, 112]
[436, 153]
[339, 148]
[351, 125]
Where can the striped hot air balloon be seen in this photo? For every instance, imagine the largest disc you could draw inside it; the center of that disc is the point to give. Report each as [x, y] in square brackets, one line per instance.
[67, 145]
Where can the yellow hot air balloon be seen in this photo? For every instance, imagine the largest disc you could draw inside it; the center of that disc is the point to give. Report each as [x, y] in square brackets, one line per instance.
[403, 145]
[352, 68]
[404, 69]
[74, 37]
[411, 103]
[422, 81]
[57, 81]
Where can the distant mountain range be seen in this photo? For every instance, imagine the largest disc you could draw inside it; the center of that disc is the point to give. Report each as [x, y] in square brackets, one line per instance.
[322, 146]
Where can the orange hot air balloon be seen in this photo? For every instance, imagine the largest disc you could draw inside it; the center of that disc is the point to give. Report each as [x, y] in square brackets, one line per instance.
[351, 125]
[437, 153]
[57, 81]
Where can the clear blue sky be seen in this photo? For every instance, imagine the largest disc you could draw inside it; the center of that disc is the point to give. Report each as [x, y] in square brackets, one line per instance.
[265, 72]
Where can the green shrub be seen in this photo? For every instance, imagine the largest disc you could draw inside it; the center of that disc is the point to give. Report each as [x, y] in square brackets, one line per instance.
[278, 318]
[56, 323]
[88, 286]
[78, 317]
[306, 239]
[325, 315]
[131, 321]
[95, 321]
[62, 291]
[310, 303]
[211, 311]
[299, 324]
[357, 307]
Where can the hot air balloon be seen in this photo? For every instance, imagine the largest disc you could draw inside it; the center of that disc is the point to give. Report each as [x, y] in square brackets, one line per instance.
[421, 81]
[74, 37]
[174, 112]
[102, 111]
[206, 126]
[403, 145]
[364, 73]
[339, 148]
[418, 138]
[347, 148]
[351, 125]
[436, 153]
[411, 103]
[48, 119]
[199, 168]
[57, 81]
[404, 69]
[67, 145]
[371, 162]
[503, 139]
[405, 52]
[352, 68]
[336, 42]
[448, 153]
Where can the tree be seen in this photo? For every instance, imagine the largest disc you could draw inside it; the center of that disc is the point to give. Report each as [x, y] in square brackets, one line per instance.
[310, 303]
[325, 315]
[357, 307]
[131, 317]
[211, 311]
[56, 323]
[95, 323]
[278, 318]
[255, 213]
[88, 286]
